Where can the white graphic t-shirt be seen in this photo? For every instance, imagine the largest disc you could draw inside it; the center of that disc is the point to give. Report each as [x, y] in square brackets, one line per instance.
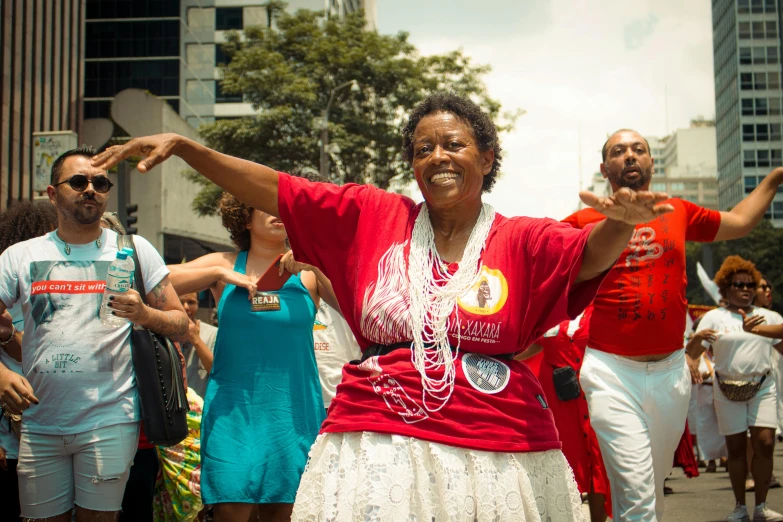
[739, 354]
[80, 370]
[334, 345]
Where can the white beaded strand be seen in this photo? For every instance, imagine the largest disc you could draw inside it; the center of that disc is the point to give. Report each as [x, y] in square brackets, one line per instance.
[433, 299]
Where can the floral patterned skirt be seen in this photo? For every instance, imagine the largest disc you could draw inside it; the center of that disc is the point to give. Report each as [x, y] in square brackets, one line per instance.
[367, 476]
[178, 488]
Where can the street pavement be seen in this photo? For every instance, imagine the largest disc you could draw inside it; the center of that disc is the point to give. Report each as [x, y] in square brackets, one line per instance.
[708, 497]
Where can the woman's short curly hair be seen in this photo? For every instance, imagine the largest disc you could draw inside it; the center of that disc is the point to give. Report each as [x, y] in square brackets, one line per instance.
[26, 220]
[484, 129]
[235, 216]
[735, 265]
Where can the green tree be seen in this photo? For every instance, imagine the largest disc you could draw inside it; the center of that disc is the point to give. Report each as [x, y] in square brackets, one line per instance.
[287, 73]
[763, 246]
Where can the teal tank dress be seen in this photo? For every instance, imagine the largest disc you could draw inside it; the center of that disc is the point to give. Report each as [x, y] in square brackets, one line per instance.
[263, 406]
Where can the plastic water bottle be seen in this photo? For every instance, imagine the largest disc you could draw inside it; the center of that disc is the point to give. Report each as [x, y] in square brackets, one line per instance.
[118, 282]
[129, 253]
[131, 263]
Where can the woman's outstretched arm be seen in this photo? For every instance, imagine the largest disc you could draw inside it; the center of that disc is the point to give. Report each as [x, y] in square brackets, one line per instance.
[253, 184]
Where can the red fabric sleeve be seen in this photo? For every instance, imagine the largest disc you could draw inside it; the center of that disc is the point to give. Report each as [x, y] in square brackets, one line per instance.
[703, 223]
[320, 218]
[573, 220]
[584, 217]
[555, 262]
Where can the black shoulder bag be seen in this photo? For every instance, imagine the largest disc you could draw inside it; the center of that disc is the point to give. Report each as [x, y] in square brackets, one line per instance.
[159, 381]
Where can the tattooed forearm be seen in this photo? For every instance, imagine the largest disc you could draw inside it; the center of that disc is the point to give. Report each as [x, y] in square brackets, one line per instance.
[172, 324]
[166, 315]
[157, 298]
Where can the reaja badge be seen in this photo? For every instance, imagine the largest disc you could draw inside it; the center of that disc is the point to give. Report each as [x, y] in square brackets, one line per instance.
[265, 302]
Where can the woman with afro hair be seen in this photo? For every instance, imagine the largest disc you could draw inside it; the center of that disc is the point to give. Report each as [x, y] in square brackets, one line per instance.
[746, 397]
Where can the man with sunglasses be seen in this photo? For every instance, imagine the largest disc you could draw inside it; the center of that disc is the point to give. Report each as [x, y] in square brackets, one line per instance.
[634, 372]
[80, 427]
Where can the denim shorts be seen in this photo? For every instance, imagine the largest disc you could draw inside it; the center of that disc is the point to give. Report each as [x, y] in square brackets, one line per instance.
[87, 469]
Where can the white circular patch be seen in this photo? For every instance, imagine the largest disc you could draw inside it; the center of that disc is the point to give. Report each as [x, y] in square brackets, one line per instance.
[484, 373]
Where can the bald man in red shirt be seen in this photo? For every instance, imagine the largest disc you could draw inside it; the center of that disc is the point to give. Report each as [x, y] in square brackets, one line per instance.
[634, 373]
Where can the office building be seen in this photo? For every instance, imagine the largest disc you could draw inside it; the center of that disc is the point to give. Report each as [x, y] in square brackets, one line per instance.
[131, 44]
[748, 119]
[171, 48]
[686, 164]
[205, 30]
[42, 88]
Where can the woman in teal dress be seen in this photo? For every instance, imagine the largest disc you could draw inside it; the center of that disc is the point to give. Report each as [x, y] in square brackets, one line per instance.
[263, 406]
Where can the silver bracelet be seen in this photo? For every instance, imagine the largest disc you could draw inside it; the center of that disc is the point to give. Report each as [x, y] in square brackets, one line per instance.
[13, 335]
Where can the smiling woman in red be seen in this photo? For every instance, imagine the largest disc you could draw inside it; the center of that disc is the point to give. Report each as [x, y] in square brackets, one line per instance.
[437, 422]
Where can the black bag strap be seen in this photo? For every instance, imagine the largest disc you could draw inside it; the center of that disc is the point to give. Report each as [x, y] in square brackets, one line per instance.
[138, 278]
[174, 354]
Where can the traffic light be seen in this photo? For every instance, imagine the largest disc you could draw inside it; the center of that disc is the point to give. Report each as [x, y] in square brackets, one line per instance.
[130, 219]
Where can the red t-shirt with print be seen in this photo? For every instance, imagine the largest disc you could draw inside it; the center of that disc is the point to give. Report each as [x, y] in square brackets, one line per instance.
[640, 308]
[359, 236]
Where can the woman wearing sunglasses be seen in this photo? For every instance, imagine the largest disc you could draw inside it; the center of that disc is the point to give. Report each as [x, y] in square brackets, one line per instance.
[763, 294]
[745, 395]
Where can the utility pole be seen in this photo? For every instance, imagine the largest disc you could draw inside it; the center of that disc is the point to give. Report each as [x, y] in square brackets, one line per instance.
[123, 191]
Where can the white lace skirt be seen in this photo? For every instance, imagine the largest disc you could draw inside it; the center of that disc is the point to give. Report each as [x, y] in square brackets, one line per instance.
[367, 476]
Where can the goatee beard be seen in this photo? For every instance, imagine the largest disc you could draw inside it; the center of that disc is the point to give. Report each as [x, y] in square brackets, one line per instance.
[86, 215]
[635, 185]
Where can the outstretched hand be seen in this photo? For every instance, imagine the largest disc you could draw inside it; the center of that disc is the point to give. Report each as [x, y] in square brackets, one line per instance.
[749, 324]
[628, 206]
[155, 149]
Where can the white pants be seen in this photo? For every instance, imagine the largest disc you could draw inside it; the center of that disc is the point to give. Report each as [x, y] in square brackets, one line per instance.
[638, 412]
[88, 469]
[712, 445]
[693, 409]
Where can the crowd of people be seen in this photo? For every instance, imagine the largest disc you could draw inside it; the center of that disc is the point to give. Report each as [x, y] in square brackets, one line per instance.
[377, 359]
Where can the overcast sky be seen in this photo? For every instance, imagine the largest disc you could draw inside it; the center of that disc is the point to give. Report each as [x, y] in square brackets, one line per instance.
[581, 69]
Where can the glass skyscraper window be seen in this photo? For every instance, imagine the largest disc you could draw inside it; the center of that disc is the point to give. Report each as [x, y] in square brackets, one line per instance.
[137, 39]
[105, 79]
[107, 9]
[227, 18]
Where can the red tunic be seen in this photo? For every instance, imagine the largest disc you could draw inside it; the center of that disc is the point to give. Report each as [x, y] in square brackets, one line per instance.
[360, 237]
[580, 445]
[641, 306]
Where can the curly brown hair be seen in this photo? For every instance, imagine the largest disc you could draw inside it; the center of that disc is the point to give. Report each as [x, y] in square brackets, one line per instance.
[735, 265]
[484, 129]
[25, 220]
[236, 217]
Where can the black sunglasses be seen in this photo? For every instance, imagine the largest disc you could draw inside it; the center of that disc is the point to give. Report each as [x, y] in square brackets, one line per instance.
[741, 286]
[80, 182]
[765, 287]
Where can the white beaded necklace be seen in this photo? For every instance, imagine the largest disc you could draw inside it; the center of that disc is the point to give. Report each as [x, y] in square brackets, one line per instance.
[433, 298]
